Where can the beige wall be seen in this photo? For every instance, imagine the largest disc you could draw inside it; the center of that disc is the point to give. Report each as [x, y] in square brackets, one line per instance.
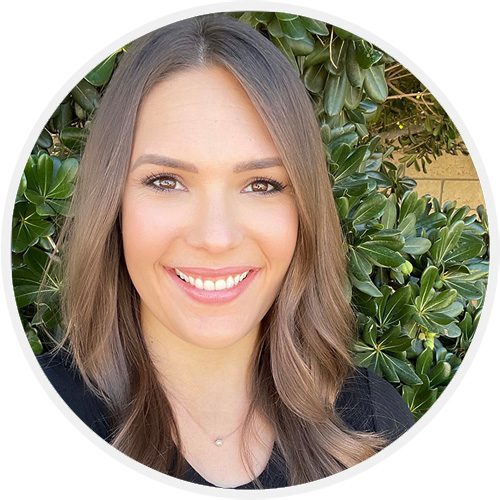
[450, 177]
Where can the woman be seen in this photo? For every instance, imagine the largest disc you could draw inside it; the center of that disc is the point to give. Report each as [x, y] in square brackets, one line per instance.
[205, 298]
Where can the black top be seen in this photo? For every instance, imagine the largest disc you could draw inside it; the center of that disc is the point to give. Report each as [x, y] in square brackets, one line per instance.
[366, 403]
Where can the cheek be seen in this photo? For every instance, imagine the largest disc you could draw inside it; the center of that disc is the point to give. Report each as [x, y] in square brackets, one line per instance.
[277, 232]
[147, 230]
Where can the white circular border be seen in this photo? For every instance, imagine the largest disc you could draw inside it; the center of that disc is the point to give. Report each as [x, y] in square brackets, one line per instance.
[242, 6]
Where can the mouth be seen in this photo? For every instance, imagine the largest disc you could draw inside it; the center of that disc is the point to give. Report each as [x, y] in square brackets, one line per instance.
[219, 287]
[220, 283]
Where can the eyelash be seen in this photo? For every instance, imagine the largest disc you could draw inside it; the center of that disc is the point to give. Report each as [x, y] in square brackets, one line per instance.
[149, 180]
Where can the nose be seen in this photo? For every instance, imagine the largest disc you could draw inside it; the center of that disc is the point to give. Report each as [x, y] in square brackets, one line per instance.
[215, 225]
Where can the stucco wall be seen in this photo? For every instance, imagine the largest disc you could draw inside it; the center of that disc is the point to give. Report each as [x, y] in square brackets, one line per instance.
[450, 177]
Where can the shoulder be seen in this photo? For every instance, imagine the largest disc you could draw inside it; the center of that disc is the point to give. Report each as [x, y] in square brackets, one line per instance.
[67, 381]
[367, 403]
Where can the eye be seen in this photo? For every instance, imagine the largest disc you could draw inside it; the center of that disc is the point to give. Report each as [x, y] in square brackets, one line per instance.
[264, 186]
[163, 182]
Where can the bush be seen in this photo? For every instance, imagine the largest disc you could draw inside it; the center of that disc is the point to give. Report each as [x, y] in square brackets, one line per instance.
[418, 269]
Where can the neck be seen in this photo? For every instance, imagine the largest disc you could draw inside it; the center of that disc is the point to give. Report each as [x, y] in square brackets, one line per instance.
[201, 377]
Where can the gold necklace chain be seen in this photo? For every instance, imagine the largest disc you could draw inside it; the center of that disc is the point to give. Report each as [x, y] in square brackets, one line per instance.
[218, 441]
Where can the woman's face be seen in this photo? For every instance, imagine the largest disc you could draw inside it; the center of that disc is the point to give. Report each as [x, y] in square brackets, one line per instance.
[206, 196]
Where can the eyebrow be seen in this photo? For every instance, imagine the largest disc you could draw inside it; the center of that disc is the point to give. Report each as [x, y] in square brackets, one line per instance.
[243, 166]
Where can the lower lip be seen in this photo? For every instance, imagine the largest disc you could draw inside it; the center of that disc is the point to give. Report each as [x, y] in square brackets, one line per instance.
[214, 296]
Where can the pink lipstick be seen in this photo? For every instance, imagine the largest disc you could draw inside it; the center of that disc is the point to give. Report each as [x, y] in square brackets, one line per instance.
[213, 297]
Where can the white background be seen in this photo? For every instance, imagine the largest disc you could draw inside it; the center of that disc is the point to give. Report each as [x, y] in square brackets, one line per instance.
[47, 47]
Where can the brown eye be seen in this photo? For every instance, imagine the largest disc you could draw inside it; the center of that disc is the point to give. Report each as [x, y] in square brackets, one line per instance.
[264, 186]
[165, 183]
[260, 186]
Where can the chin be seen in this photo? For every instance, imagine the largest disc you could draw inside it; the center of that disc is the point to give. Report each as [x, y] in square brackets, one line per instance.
[216, 335]
[217, 341]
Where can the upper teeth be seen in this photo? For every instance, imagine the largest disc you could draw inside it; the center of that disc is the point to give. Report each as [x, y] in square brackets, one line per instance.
[220, 284]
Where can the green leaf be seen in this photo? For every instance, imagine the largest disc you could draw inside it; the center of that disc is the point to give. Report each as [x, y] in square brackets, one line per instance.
[388, 368]
[39, 174]
[427, 281]
[353, 97]
[451, 330]
[335, 92]
[63, 116]
[359, 265]
[389, 216]
[375, 84]
[420, 398]
[22, 187]
[29, 227]
[467, 290]
[408, 205]
[424, 361]
[336, 60]
[407, 226]
[27, 280]
[466, 325]
[441, 300]
[340, 153]
[302, 46]
[395, 309]
[432, 221]
[380, 255]
[274, 28]
[367, 359]
[319, 55]
[44, 140]
[448, 238]
[249, 18]
[26, 286]
[389, 238]
[86, 96]
[416, 246]
[370, 209]
[314, 26]
[440, 373]
[355, 73]
[366, 55]
[405, 372]
[285, 16]
[293, 28]
[315, 78]
[73, 137]
[35, 343]
[470, 246]
[342, 206]
[100, 75]
[62, 185]
[366, 286]
[369, 334]
[36, 261]
[349, 139]
[452, 310]
[394, 343]
[352, 163]
[354, 187]
[264, 17]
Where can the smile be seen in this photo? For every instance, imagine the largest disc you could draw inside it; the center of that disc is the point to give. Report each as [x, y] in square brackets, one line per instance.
[213, 289]
[219, 284]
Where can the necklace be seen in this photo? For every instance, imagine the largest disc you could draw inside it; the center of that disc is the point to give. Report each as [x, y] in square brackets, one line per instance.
[219, 440]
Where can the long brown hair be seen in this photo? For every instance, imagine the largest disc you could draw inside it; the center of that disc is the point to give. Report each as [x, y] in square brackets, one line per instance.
[303, 355]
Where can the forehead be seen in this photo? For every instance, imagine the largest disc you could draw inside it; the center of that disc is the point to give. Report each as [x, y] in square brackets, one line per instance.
[201, 115]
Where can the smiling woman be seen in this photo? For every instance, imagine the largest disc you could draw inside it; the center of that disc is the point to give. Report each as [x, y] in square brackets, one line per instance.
[229, 225]
[205, 296]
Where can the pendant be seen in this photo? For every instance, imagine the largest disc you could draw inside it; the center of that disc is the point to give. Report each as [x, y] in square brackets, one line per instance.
[218, 442]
